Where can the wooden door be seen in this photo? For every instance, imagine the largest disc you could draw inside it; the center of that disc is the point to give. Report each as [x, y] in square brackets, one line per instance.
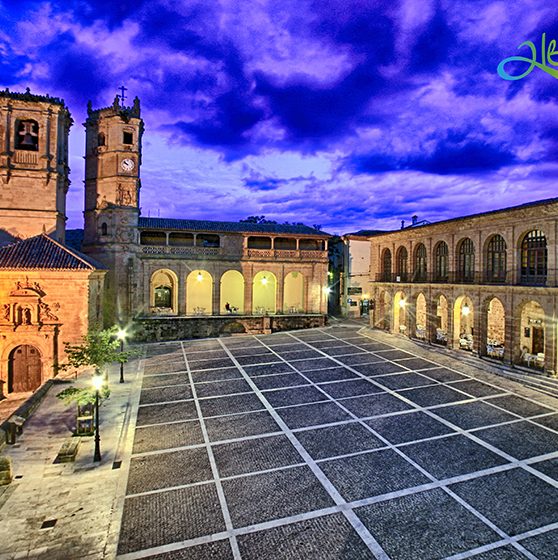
[24, 369]
[538, 340]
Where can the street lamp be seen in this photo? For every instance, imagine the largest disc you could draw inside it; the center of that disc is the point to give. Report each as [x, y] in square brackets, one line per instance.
[97, 382]
[121, 335]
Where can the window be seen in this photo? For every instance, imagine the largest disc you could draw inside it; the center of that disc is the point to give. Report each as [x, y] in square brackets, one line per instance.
[27, 135]
[496, 259]
[163, 296]
[207, 240]
[255, 242]
[466, 261]
[386, 266]
[104, 229]
[100, 139]
[127, 138]
[534, 258]
[285, 244]
[441, 255]
[420, 263]
[153, 238]
[401, 264]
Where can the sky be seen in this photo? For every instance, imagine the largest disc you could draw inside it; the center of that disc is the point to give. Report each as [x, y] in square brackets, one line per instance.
[348, 114]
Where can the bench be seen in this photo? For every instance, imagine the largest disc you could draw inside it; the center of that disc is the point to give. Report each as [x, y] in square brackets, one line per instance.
[68, 450]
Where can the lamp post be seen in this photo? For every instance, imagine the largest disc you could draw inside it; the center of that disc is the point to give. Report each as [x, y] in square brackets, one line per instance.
[97, 384]
[121, 335]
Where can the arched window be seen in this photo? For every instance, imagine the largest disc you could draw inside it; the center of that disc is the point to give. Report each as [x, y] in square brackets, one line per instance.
[401, 264]
[386, 266]
[420, 263]
[163, 298]
[496, 259]
[27, 135]
[466, 261]
[101, 139]
[441, 255]
[534, 258]
[104, 229]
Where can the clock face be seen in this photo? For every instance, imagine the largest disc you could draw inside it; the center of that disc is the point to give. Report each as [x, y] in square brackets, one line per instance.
[127, 164]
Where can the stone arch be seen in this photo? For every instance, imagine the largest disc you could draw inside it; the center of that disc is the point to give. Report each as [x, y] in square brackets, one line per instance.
[234, 327]
[532, 334]
[440, 311]
[264, 292]
[494, 326]
[232, 291]
[199, 293]
[399, 313]
[293, 292]
[421, 317]
[163, 291]
[463, 322]
[25, 369]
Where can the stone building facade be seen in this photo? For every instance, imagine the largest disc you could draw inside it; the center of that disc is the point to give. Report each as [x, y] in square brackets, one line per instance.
[49, 293]
[176, 268]
[486, 283]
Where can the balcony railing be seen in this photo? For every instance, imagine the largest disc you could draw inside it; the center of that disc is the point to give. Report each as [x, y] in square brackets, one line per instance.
[288, 254]
[452, 277]
[182, 251]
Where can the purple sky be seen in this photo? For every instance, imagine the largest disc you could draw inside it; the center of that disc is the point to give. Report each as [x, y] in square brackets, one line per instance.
[347, 114]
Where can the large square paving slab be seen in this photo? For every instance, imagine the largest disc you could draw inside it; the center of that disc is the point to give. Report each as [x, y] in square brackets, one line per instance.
[328, 444]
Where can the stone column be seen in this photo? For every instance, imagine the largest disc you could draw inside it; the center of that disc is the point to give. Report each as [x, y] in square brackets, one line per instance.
[216, 295]
[248, 282]
[182, 273]
[280, 290]
[550, 342]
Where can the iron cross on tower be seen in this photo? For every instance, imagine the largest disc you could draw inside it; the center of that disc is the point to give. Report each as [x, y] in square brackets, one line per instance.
[122, 96]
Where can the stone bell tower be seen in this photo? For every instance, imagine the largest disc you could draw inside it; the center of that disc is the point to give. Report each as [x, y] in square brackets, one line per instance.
[112, 184]
[33, 165]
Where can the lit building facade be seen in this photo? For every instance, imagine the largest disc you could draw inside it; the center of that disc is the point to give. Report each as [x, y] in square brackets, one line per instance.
[485, 283]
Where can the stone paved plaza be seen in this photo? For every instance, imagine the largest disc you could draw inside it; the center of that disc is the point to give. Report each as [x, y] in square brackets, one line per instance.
[329, 444]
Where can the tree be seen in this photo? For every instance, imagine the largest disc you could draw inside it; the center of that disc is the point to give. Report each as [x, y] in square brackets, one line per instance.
[98, 349]
[257, 220]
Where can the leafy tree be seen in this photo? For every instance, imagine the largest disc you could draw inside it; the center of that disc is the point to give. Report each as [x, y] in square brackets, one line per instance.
[98, 349]
[257, 220]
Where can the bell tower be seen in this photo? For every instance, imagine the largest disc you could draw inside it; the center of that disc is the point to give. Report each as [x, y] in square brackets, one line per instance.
[112, 183]
[33, 165]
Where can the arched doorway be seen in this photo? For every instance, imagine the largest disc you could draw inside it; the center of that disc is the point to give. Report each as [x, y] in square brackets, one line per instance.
[399, 315]
[164, 295]
[199, 293]
[463, 321]
[420, 325]
[264, 291]
[24, 369]
[232, 291]
[495, 329]
[442, 316]
[293, 293]
[532, 335]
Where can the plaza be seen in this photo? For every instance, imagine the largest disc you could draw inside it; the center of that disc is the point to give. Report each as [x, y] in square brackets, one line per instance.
[333, 443]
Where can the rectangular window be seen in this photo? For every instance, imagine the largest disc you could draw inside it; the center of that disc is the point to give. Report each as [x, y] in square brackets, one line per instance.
[128, 138]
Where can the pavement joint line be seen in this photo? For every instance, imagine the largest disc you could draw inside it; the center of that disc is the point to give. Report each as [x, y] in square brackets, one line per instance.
[170, 489]
[351, 517]
[368, 334]
[483, 443]
[166, 422]
[447, 490]
[163, 374]
[219, 487]
[165, 402]
[147, 389]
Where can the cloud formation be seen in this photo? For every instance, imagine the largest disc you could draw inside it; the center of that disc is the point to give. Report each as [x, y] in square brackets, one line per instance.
[351, 114]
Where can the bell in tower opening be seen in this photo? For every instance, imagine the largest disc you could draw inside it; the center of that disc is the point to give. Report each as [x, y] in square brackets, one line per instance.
[27, 137]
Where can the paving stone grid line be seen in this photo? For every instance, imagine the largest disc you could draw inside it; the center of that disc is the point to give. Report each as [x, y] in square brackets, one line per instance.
[233, 468]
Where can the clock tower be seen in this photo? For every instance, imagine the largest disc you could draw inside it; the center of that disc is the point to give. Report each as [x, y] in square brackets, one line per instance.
[112, 184]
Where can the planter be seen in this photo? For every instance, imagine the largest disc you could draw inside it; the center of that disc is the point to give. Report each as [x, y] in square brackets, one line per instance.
[5, 470]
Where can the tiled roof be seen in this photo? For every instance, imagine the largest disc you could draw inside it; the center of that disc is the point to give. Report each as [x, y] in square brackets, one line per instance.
[240, 227]
[42, 252]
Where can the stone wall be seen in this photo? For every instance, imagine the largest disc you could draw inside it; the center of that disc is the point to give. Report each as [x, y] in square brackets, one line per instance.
[157, 329]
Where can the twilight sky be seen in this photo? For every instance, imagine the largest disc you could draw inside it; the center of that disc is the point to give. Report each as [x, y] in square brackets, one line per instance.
[345, 113]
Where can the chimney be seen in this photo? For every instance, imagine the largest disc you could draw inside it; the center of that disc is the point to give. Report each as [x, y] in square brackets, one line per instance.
[415, 219]
[402, 224]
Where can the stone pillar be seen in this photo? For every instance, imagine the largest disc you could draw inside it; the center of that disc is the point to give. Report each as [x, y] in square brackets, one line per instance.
[216, 295]
[480, 329]
[511, 341]
[550, 343]
[248, 283]
[280, 290]
[182, 291]
[411, 316]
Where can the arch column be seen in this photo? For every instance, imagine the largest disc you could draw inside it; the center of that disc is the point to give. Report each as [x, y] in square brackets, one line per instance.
[280, 291]
[248, 288]
[216, 295]
[411, 316]
[182, 295]
[550, 344]
[512, 326]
